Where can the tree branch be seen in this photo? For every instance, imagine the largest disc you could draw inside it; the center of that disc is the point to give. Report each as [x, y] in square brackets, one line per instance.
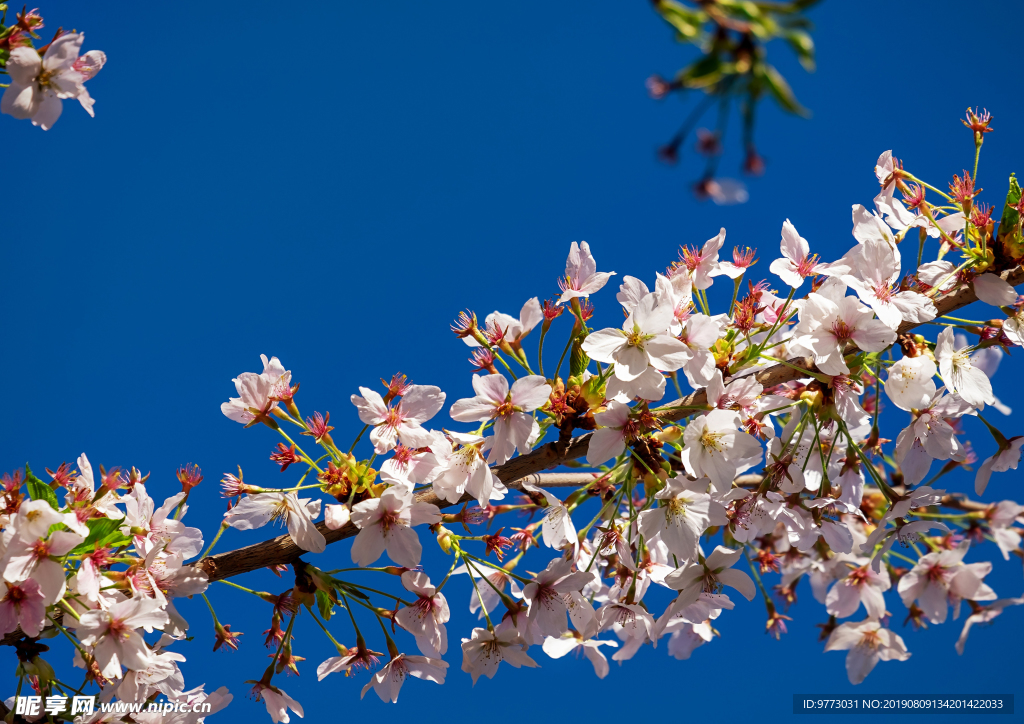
[527, 468]
[282, 550]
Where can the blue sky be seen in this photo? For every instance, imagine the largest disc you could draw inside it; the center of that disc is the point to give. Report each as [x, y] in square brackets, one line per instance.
[333, 184]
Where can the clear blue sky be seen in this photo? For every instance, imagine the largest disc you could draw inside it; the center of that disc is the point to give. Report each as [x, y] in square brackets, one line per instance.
[331, 184]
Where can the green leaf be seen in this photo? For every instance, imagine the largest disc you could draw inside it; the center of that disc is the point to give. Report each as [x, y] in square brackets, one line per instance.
[803, 46]
[38, 490]
[687, 22]
[705, 72]
[1010, 216]
[1008, 235]
[324, 605]
[780, 90]
[578, 359]
[103, 532]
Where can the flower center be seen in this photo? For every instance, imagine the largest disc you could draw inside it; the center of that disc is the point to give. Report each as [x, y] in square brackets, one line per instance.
[712, 441]
[884, 292]
[841, 330]
[806, 266]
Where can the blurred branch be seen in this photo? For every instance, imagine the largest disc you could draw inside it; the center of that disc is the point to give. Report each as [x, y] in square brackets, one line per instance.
[731, 36]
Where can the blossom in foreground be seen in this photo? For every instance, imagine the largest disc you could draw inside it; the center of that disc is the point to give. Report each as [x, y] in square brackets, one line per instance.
[860, 585]
[713, 447]
[705, 574]
[642, 342]
[958, 374]
[982, 615]
[114, 634]
[546, 596]
[910, 385]
[1007, 458]
[508, 408]
[993, 289]
[930, 436]
[388, 681]
[38, 84]
[830, 319]
[557, 529]
[482, 653]
[277, 702]
[701, 265]
[868, 643]
[426, 618]
[941, 576]
[874, 275]
[22, 604]
[401, 422]
[464, 469]
[255, 511]
[797, 263]
[385, 524]
[581, 275]
[680, 518]
[39, 559]
[257, 393]
[558, 647]
[498, 325]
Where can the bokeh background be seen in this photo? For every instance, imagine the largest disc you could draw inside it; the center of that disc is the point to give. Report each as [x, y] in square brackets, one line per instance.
[332, 182]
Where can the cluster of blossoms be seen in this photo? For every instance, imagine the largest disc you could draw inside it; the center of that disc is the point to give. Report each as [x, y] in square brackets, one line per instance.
[41, 78]
[93, 558]
[773, 463]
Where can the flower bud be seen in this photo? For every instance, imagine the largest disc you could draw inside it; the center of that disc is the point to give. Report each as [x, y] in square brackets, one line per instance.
[444, 539]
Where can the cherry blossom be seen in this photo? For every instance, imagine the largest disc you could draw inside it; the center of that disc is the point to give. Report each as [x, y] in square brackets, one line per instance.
[830, 320]
[868, 643]
[557, 529]
[701, 266]
[681, 517]
[510, 329]
[958, 374]
[388, 681]
[860, 585]
[545, 594]
[464, 469]
[22, 605]
[401, 422]
[983, 615]
[797, 262]
[277, 702]
[507, 407]
[994, 290]
[257, 393]
[930, 437]
[581, 275]
[1007, 458]
[426, 618]
[35, 558]
[557, 647]
[874, 272]
[255, 511]
[943, 575]
[114, 636]
[642, 342]
[713, 447]
[38, 84]
[909, 384]
[385, 524]
[485, 649]
[706, 574]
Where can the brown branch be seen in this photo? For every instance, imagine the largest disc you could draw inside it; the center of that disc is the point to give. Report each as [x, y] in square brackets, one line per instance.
[527, 468]
[282, 550]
